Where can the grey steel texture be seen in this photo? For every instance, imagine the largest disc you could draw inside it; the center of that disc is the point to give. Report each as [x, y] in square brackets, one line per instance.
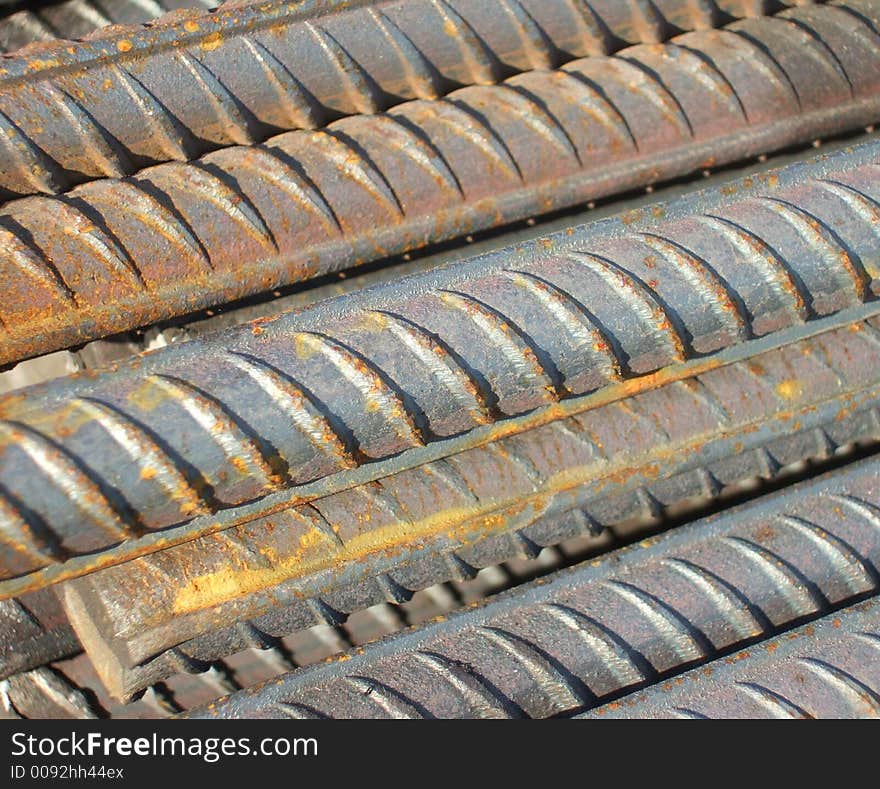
[116, 254]
[106, 352]
[630, 618]
[24, 22]
[181, 608]
[826, 669]
[243, 669]
[43, 693]
[111, 350]
[208, 434]
[193, 82]
[29, 21]
[33, 631]
[248, 667]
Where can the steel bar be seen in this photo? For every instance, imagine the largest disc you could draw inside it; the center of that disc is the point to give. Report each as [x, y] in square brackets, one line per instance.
[180, 608]
[627, 619]
[159, 702]
[26, 22]
[185, 691]
[43, 693]
[827, 669]
[193, 82]
[201, 436]
[33, 631]
[116, 254]
[106, 352]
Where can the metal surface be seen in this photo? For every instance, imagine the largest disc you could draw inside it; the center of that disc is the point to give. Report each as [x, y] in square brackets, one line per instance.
[43, 693]
[26, 22]
[116, 254]
[278, 412]
[243, 669]
[192, 82]
[828, 669]
[33, 631]
[628, 619]
[112, 350]
[248, 586]
[226, 511]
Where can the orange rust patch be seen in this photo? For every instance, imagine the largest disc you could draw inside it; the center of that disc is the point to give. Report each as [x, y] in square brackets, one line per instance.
[211, 42]
[314, 553]
[789, 389]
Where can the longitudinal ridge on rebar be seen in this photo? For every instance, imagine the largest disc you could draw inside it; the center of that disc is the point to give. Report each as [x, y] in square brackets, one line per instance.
[268, 414]
[631, 618]
[194, 81]
[116, 254]
[24, 22]
[827, 669]
[179, 609]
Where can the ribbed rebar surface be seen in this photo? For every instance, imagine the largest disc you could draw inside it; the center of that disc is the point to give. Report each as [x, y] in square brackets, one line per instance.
[115, 254]
[193, 81]
[829, 669]
[27, 21]
[181, 608]
[220, 515]
[194, 431]
[624, 620]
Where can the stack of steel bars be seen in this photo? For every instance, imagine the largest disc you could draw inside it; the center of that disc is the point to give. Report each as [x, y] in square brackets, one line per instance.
[440, 358]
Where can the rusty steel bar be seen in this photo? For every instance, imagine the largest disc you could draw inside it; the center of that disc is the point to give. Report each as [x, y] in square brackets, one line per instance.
[34, 630]
[245, 587]
[627, 619]
[827, 669]
[249, 666]
[204, 435]
[185, 691]
[193, 82]
[26, 22]
[115, 254]
[43, 693]
[106, 352]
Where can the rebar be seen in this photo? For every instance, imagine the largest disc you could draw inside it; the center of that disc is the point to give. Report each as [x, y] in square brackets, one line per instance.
[34, 630]
[212, 506]
[827, 669]
[185, 691]
[628, 619]
[24, 22]
[182, 608]
[193, 82]
[115, 254]
[201, 436]
[43, 693]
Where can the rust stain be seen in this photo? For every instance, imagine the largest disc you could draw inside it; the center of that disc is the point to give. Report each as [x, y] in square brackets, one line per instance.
[315, 554]
[542, 416]
[790, 389]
